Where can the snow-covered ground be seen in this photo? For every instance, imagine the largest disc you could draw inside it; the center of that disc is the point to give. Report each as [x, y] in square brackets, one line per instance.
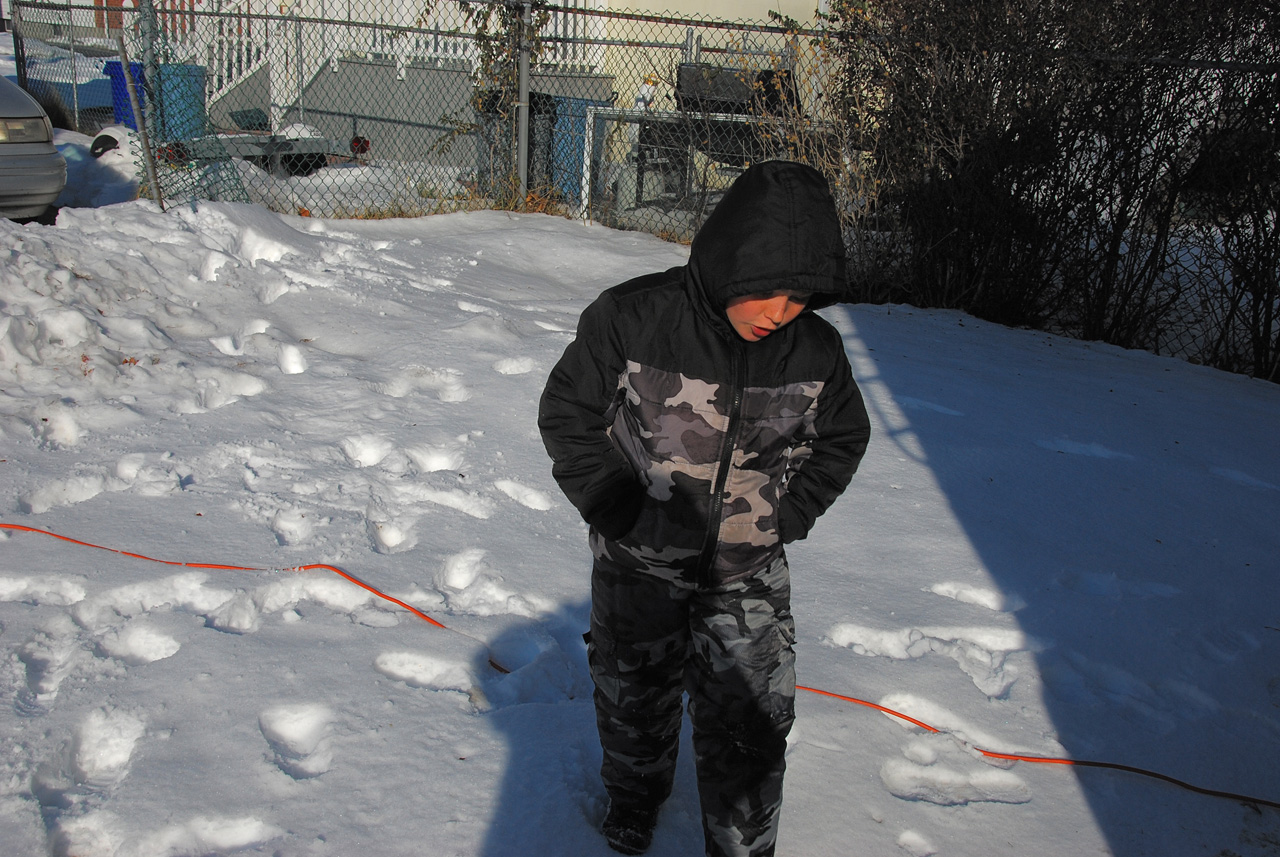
[1053, 548]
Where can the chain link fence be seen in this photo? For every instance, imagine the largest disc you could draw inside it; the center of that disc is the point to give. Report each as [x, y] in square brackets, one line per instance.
[360, 109]
[349, 108]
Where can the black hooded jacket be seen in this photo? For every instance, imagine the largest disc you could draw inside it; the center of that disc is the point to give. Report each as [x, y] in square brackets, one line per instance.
[693, 453]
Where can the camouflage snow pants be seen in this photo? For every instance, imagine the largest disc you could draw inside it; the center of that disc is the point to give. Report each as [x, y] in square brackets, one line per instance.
[731, 649]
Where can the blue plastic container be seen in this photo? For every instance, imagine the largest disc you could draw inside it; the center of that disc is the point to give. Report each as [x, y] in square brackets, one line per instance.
[121, 108]
[182, 102]
[182, 112]
[569, 143]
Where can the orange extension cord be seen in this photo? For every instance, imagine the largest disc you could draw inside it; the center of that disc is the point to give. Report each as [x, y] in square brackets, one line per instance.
[1042, 760]
[1052, 760]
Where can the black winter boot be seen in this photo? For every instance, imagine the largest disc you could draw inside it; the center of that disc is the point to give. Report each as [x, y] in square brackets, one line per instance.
[628, 827]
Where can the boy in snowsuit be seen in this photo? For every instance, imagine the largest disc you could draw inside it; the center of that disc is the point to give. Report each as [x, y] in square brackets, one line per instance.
[702, 418]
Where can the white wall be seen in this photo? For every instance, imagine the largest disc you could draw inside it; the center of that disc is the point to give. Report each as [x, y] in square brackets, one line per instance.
[752, 10]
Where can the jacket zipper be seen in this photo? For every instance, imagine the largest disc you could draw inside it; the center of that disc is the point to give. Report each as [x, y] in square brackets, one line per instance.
[711, 543]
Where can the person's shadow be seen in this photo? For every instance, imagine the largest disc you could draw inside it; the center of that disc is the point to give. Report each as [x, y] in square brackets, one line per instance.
[551, 801]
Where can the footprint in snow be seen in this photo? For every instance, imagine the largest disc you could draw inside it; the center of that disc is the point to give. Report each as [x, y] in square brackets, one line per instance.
[445, 383]
[554, 328]
[93, 831]
[233, 345]
[1092, 450]
[131, 473]
[514, 365]
[486, 330]
[390, 533]
[134, 473]
[452, 498]
[431, 672]
[106, 611]
[291, 360]
[462, 569]
[91, 765]
[992, 599]
[292, 526]
[103, 745]
[470, 585]
[524, 495]
[944, 785]
[1225, 644]
[916, 844]
[428, 458]
[937, 769]
[139, 643]
[366, 450]
[921, 405]
[239, 614]
[63, 492]
[216, 388]
[1243, 479]
[300, 738]
[48, 658]
[540, 670]
[55, 427]
[980, 652]
[42, 589]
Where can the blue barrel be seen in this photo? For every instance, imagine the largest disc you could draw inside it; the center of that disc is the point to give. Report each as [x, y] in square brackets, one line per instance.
[121, 108]
[180, 96]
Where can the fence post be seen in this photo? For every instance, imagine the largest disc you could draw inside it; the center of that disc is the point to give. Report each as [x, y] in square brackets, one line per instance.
[298, 75]
[154, 110]
[75, 71]
[135, 102]
[19, 43]
[522, 103]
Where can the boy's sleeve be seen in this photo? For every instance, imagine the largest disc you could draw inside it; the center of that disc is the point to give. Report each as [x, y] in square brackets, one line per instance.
[574, 415]
[842, 430]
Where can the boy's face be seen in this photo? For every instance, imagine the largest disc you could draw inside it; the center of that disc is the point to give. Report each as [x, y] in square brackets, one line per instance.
[754, 317]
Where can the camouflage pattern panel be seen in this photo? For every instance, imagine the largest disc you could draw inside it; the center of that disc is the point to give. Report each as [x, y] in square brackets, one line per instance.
[731, 648]
[742, 704]
[637, 654]
[775, 430]
[672, 430]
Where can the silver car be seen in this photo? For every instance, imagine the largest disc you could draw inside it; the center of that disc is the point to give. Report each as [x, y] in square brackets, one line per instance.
[32, 170]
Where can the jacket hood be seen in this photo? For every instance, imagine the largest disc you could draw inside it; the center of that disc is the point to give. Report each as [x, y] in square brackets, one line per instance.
[776, 228]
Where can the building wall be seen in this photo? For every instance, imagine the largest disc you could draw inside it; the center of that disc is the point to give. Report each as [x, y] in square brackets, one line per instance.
[733, 10]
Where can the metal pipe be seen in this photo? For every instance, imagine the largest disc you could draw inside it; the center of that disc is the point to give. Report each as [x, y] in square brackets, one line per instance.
[147, 156]
[297, 68]
[19, 43]
[75, 71]
[522, 105]
[155, 117]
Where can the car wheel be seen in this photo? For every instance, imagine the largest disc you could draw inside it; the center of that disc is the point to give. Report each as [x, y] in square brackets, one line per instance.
[48, 217]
